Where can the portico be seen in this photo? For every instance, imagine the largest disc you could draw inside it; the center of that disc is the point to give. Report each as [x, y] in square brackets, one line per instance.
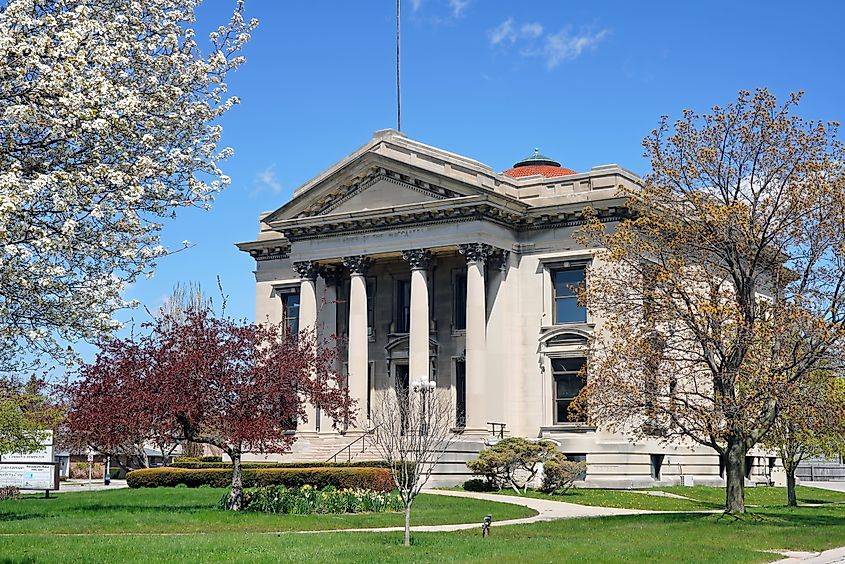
[411, 324]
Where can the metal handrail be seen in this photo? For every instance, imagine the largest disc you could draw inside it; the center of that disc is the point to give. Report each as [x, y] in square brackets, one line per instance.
[348, 448]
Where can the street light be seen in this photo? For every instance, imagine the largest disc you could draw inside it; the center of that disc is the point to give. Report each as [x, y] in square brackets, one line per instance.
[423, 387]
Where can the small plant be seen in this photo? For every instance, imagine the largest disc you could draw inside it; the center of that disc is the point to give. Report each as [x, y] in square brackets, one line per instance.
[9, 492]
[559, 474]
[307, 500]
[513, 462]
[478, 485]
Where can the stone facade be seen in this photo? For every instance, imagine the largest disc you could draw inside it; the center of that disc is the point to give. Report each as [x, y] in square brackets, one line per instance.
[434, 266]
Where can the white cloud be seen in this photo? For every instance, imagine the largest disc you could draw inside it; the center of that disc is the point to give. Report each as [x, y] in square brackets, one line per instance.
[503, 33]
[531, 30]
[534, 41]
[565, 46]
[267, 179]
[458, 7]
[415, 5]
[507, 33]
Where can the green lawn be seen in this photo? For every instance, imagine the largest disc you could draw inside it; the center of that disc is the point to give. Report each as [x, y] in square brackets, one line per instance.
[185, 510]
[642, 538]
[700, 497]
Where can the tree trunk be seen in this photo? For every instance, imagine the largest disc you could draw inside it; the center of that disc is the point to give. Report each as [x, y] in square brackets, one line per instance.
[735, 472]
[408, 523]
[792, 500]
[236, 496]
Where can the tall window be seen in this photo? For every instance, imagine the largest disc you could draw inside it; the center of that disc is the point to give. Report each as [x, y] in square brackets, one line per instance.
[459, 291]
[290, 312]
[371, 306]
[566, 281]
[460, 394]
[403, 306]
[567, 384]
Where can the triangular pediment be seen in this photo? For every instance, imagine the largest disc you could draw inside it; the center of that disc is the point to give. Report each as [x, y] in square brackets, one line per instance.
[381, 192]
[390, 171]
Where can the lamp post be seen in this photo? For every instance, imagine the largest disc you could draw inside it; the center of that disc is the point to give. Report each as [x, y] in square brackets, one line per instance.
[424, 388]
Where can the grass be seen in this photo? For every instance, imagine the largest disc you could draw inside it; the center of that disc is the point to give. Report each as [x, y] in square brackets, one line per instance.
[185, 510]
[660, 537]
[701, 498]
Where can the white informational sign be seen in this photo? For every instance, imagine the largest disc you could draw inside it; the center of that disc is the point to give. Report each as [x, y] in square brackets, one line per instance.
[44, 454]
[29, 476]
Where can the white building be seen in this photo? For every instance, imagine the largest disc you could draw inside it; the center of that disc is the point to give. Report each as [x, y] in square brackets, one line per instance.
[433, 265]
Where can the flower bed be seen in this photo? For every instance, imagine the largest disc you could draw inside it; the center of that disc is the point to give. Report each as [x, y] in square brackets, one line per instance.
[307, 500]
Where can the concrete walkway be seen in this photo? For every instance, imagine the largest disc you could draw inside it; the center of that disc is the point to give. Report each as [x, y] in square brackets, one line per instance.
[93, 486]
[547, 510]
[827, 557]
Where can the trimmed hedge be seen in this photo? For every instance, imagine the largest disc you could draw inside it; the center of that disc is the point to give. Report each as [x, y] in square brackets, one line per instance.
[199, 459]
[361, 464]
[378, 479]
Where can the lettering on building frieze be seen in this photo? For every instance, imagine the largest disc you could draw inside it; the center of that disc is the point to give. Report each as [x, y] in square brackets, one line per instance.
[307, 269]
[357, 264]
[419, 259]
[476, 252]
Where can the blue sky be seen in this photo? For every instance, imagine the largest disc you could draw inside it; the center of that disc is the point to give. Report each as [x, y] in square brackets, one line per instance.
[583, 81]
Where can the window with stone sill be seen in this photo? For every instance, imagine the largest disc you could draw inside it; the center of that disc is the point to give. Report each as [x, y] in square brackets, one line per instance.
[290, 311]
[565, 283]
[567, 384]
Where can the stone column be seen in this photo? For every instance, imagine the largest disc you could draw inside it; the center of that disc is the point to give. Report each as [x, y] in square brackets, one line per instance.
[307, 271]
[419, 363]
[328, 322]
[476, 335]
[358, 342]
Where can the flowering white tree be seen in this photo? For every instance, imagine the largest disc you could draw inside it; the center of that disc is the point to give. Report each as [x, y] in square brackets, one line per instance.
[108, 113]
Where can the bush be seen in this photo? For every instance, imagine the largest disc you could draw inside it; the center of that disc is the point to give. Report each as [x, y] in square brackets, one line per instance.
[559, 474]
[307, 500]
[512, 462]
[198, 459]
[476, 485]
[378, 479]
[363, 464]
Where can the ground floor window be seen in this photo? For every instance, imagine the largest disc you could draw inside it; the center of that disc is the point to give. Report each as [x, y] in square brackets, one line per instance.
[567, 384]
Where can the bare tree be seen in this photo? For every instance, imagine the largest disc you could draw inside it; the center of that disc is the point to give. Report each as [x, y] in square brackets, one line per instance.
[726, 284]
[412, 429]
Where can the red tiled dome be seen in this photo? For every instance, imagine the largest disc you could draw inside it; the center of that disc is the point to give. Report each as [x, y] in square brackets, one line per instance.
[545, 170]
[538, 164]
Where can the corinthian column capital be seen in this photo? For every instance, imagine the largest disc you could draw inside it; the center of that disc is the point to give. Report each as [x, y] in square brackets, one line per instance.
[419, 259]
[307, 269]
[476, 252]
[357, 264]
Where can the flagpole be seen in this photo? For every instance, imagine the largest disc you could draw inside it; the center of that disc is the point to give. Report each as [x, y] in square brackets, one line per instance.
[398, 90]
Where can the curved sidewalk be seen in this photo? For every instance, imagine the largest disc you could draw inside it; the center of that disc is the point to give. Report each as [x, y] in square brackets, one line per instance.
[547, 510]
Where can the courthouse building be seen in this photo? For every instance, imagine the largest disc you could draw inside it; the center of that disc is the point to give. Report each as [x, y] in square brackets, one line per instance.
[434, 266]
